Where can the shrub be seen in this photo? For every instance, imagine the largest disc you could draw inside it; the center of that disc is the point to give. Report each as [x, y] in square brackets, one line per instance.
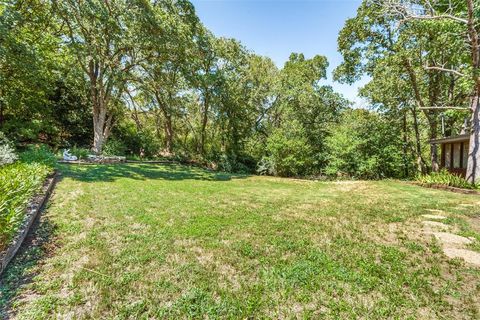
[364, 145]
[80, 153]
[114, 147]
[289, 152]
[127, 139]
[224, 164]
[39, 154]
[18, 182]
[234, 164]
[444, 177]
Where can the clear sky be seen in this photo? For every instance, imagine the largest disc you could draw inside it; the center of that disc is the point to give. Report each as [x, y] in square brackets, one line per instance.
[276, 28]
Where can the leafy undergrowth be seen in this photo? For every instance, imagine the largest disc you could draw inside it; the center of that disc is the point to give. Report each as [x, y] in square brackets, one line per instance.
[18, 183]
[447, 179]
[168, 241]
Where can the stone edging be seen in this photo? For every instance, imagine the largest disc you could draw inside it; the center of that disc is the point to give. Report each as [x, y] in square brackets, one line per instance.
[37, 203]
[152, 161]
[118, 162]
[447, 188]
[83, 162]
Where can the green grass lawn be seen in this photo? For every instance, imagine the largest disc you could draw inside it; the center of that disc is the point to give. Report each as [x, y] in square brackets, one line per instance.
[168, 241]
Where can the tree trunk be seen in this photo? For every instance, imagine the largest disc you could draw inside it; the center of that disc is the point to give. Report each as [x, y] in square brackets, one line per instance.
[434, 157]
[100, 97]
[203, 134]
[405, 144]
[158, 124]
[100, 135]
[1, 113]
[168, 133]
[473, 167]
[418, 98]
[473, 174]
[98, 139]
[204, 125]
[418, 147]
[167, 124]
[101, 128]
[433, 147]
[136, 119]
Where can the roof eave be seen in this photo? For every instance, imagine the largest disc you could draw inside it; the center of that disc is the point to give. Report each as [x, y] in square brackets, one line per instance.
[459, 138]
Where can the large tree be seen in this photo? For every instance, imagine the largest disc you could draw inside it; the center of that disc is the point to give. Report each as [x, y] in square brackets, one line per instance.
[302, 97]
[204, 79]
[168, 47]
[27, 64]
[461, 19]
[99, 35]
[300, 116]
[394, 56]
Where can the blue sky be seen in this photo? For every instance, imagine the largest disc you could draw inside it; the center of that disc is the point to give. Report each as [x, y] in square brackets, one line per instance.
[275, 28]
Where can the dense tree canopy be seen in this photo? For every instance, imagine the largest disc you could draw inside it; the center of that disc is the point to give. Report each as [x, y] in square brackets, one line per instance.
[418, 57]
[147, 79]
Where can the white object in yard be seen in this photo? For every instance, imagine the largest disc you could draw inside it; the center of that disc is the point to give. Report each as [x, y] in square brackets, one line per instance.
[67, 156]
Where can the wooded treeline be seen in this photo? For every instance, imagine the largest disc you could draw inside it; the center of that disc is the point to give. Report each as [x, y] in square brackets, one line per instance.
[423, 59]
[146, 78]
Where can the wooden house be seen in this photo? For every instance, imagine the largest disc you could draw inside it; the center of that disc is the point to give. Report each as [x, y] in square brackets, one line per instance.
[454, 153]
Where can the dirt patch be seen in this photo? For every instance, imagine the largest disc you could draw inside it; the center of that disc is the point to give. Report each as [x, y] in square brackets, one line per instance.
[348, 186]
[435, 225]
[474, 222]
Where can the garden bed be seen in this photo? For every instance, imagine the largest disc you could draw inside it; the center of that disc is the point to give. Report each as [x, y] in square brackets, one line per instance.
[96, 160]
[447, 188]
[34, 207]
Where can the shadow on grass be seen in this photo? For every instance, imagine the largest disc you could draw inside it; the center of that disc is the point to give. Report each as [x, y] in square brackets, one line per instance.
[111, 172]
[23, 268]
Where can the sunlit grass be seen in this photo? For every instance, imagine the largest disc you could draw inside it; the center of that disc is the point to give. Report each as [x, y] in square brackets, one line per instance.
[166, 241]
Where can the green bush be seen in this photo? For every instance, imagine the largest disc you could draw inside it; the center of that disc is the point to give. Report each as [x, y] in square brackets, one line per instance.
[445, 178]
[80, 153]
[363, 145]
[289, 152]
[39, 154]
[114, 147]
[234, 164]
[18, 183]
[128, 140]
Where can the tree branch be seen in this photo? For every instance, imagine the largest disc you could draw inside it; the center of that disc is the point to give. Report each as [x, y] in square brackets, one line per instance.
[438, 17]
[398, 7]
[443, 108]
[458, 73]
